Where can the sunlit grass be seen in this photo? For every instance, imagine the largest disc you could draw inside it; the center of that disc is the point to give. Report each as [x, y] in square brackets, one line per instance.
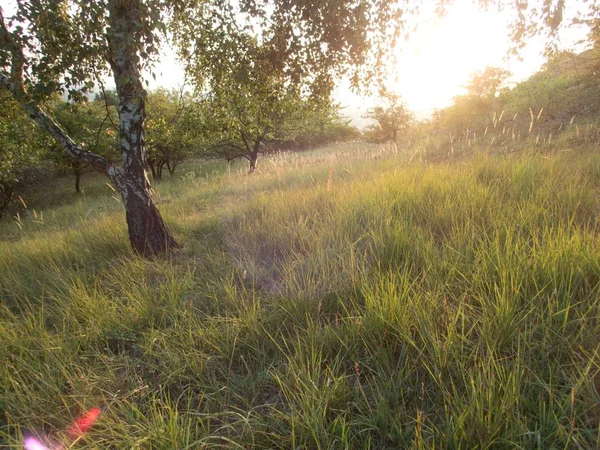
[343, 298]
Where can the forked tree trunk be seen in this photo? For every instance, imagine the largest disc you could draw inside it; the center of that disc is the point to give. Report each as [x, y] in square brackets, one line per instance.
[148, 233]
[252, 166]
[172, 165]
[159, 169]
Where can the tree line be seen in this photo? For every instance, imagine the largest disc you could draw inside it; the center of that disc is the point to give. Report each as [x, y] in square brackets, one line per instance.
[179, 125]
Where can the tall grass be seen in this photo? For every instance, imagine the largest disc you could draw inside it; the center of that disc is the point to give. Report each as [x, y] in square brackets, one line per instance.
[331, 300]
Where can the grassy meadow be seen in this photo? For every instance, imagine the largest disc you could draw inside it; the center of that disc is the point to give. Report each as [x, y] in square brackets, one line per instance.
[353, 297]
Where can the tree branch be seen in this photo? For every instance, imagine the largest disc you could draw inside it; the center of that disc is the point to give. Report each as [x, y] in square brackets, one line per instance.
[48, 124]
[15, 84]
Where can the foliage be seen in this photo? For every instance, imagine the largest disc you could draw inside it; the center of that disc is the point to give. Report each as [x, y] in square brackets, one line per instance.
[543, 20]
[391, 121]
[90, 124]
[65, 42]
[251, 107]
[20, 150]
[252, 110]
[559, 105]
[308, 43]
[324, 125]
[174, 129]
[488, 83]
[320, 133]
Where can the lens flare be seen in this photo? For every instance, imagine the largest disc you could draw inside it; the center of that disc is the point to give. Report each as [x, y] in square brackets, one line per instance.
[83, 423]
[76, 429]
[32, 443]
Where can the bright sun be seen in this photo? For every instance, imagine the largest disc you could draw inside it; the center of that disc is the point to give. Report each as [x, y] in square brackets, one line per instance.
[437, 61]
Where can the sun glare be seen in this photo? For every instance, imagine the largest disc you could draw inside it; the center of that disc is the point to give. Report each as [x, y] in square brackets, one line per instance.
[436, 62]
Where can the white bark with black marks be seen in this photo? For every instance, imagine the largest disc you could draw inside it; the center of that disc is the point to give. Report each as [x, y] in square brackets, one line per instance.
[147, 231]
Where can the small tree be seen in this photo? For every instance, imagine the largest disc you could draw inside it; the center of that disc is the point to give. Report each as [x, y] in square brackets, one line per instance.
[249, 108]
[172, 133]
[488, 83]
[390, 120]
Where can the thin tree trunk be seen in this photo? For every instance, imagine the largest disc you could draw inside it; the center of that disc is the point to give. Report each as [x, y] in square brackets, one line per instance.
[159, 169]
[152, 169]
[78, 182]
[76, 166]
[253, 156]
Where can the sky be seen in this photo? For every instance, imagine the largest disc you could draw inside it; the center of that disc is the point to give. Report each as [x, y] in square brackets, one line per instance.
[439, 58]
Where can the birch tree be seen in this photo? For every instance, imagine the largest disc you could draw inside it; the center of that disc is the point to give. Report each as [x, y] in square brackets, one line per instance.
[58, 46]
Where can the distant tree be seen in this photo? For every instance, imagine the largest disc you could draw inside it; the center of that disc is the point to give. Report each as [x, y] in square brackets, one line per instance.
[251, 106]
[108, 97]
[488, 83]
[390, 120]
[175, 129]
[326, 124]
[321, 124]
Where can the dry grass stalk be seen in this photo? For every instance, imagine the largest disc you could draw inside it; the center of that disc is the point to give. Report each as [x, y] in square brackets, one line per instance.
[330, 177]
[540, 113]
[532, 119]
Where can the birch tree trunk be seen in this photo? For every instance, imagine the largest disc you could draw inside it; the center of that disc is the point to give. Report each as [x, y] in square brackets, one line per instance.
[148, 233]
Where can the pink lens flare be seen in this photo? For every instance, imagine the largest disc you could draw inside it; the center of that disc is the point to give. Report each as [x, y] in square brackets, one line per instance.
[83, 423]
[76, 429]
[32, 443]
